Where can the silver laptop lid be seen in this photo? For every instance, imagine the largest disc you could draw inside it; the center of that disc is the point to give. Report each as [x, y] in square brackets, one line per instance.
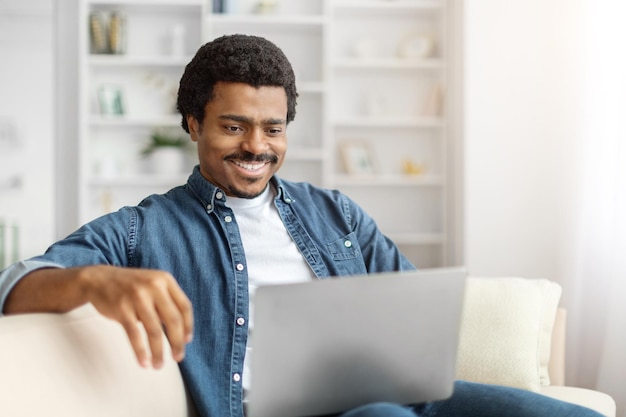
[332, 345]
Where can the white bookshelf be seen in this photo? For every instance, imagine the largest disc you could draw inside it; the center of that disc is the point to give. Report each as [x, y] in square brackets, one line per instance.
[382, 76]
[353, 85]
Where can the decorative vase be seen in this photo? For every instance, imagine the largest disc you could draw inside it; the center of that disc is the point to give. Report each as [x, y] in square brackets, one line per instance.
[167, 160]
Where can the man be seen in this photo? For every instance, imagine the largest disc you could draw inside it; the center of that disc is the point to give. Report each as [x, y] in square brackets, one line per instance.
[233, 226]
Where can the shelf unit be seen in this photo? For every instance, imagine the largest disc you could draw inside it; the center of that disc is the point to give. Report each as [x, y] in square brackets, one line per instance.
[388, 59]
[354, 83]
[111, 171]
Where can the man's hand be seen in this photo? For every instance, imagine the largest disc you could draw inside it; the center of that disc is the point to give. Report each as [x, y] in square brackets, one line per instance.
[151, 298]
[133, 297]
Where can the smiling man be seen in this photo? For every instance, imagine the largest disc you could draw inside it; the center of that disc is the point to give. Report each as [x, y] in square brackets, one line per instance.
[185, 264]
[243, 138]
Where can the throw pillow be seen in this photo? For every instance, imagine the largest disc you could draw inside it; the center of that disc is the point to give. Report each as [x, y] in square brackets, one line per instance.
[506, 331]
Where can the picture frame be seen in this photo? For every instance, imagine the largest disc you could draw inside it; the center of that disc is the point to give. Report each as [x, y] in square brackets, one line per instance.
[111, 100]
[357, 158]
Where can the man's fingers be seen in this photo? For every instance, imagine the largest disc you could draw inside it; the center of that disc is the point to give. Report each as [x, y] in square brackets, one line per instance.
[137, 341]
[174, 330]
[154, 332]
[175, 313]
[166, 307]
[186, 310]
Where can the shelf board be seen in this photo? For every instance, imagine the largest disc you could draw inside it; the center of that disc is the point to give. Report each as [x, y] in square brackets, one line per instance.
[364, 121]
[379, 5]
[389, 63]
[139, 180]
[104, 60]
[149, 121]
[376, 180]
[178, 3]
[270, 19]
[300, 154]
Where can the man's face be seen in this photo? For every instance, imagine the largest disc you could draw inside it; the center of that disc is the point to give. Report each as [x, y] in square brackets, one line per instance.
[242, 140]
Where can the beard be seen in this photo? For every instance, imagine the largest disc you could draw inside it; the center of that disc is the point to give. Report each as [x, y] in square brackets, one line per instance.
[244, 194]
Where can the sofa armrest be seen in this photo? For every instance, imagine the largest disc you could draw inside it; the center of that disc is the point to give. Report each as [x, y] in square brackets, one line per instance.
[81, 364]
[595, 400]
[556, 366]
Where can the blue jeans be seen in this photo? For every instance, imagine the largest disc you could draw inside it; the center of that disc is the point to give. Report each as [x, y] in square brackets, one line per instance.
[479, 400]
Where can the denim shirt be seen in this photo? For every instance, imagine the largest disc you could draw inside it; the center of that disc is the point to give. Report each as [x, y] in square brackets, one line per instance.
[191, 233]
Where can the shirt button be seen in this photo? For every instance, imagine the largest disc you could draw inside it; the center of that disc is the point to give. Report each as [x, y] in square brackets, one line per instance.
[209, 207]
[219, 195]
[228, 219]
[239, 267]
[287, 200]
[236, 377]
[241, 321]
[347, 244]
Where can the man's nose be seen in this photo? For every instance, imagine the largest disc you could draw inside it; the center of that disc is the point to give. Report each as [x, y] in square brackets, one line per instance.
[255, 142]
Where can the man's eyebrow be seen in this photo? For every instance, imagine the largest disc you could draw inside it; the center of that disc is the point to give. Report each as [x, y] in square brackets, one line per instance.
[244, 119]
[235, 118]
[274, 121]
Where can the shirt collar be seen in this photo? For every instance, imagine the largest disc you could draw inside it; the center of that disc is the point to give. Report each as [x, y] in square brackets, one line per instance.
[207, 193]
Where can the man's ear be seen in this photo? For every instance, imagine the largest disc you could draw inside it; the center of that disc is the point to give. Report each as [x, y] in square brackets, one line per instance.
[194, 128]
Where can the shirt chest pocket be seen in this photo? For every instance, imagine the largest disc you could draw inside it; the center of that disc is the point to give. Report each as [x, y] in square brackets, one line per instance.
[346, 255]
[345, 248]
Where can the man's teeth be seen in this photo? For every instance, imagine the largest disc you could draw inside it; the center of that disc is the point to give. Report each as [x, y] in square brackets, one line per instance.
[250, 166]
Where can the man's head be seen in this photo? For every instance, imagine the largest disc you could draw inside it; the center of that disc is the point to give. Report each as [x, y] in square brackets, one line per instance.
[243, 59]
[236, 97]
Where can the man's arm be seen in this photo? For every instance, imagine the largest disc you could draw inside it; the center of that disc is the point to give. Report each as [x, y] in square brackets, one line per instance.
[130, 296]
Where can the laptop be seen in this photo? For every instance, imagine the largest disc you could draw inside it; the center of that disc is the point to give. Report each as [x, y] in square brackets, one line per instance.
[331, 345]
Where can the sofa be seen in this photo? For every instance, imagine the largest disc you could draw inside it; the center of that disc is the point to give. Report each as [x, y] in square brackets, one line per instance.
[81, 364]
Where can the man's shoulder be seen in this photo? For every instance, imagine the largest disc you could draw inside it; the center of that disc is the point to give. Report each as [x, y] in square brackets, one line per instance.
[176, 200]
[173, 197]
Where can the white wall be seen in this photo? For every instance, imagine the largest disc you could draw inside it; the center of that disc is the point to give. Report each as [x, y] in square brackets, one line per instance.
[521, 104]
[26, 111]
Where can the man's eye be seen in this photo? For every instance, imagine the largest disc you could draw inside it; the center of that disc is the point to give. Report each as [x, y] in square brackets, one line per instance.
[274, 131]
[233, 128]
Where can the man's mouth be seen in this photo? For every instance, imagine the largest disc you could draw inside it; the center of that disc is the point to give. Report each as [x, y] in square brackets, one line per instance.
[250, 162]
[250, 166]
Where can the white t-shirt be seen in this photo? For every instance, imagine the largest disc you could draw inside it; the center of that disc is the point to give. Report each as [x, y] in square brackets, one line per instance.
[272, 256]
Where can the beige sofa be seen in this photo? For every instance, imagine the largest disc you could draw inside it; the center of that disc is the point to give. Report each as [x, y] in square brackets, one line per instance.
[81, 364]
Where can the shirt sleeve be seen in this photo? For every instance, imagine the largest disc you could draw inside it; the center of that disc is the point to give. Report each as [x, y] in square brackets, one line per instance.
[11, 276]
[104, 241]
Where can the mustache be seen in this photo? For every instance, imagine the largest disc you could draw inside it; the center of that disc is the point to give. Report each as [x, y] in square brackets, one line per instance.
[250, 157]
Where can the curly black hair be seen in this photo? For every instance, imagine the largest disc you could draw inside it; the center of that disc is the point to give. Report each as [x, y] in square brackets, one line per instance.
[234, 58]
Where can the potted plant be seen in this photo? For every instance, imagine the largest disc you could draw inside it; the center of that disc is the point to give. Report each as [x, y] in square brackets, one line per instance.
[166, 152]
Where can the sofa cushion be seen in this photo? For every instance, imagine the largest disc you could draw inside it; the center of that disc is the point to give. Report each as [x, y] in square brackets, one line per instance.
[506, 331]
